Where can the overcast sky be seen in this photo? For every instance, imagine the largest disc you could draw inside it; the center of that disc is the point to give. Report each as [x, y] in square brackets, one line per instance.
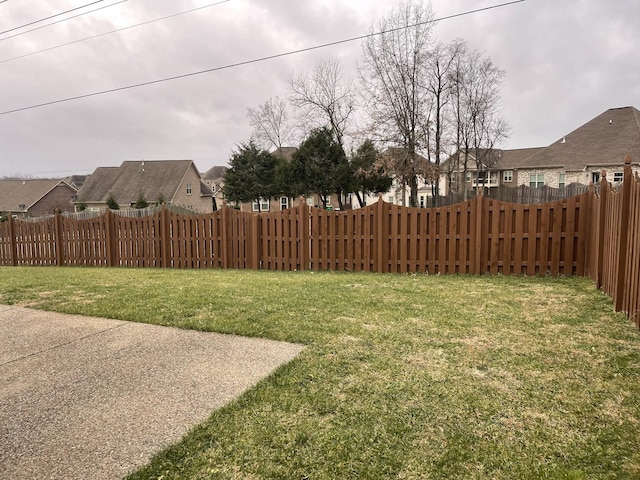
[565, 62]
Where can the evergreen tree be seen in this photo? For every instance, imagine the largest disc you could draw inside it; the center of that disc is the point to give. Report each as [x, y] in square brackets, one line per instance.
[112, 203]
[251, 175]
[141, 202]
[320, 166]
[369, 172]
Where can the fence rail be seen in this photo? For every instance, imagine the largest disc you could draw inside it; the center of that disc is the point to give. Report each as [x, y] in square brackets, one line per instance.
[590, 234]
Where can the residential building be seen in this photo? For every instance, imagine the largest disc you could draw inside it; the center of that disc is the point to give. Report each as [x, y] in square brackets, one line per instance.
[577, 157]
[35, 197]
[214, 179]
[175, 182]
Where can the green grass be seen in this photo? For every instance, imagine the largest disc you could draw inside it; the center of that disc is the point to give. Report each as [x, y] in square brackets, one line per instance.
[405, 376]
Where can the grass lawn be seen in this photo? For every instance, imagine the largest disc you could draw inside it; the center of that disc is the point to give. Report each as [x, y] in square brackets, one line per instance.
[405, 376]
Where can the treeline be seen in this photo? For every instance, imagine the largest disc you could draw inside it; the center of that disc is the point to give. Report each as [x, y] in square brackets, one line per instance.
[425, 98]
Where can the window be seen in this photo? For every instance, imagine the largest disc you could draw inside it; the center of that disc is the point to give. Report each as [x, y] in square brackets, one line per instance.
[536, 180]
[618, 176]
[507, 176]
[310, 201]
[391, 199]
[189, 189]
[284, 203]
[562, 180]
[468, 177]
[595, 177]
[263, 207]
[422, 201]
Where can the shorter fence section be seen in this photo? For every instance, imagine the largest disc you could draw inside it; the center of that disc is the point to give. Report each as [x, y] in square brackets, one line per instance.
[587, 234]
[475, 237]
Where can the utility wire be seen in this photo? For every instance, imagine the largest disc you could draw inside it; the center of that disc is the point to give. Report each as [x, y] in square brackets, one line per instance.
[112, 31]
[50, 17]
[257, 60]
[60, 21]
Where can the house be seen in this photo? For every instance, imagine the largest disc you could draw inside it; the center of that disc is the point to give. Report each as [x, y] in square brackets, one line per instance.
[264, 204]
[35, 197]
[578, 157]
[76, 181]
[399, 193]
[175, 182]
[214, 179]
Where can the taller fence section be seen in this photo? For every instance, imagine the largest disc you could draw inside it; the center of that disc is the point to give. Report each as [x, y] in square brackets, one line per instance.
[614, 253]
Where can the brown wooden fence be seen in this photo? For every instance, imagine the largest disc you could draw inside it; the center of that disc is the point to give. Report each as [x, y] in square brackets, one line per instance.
[614, 243]
[584, 235]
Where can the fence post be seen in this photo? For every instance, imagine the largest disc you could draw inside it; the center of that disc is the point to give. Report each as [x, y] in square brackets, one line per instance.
[13, 242]
[624, 234]
[109, 238]
[224, 236]
[477, 267]
[255, 237]
[602, 215]
[304, 235]
[165, 244]
[381, 254]
[58, 241]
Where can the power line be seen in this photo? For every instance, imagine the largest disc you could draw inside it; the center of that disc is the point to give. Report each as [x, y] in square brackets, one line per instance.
[50, 17]
[112, 31]
[258, 60]
[60, 21]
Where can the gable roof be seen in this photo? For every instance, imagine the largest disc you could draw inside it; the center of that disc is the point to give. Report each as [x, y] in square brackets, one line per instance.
[152, 178]
[605, 140]
[517, 157]
[14, 193]
[215, 172]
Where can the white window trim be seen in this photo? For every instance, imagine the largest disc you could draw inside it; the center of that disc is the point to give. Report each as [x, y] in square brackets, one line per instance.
[264, 205]
[507, 176]
[538, 182]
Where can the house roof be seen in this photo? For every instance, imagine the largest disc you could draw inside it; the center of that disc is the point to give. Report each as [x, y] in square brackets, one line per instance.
[285, 153]
[14, 193]
[605, 140]
[516, 158]
[215, 172]
[398, 154]
[152, 178]
[76, 181]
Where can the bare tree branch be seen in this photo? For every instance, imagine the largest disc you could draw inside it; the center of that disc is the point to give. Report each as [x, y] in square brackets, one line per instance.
[271, 125]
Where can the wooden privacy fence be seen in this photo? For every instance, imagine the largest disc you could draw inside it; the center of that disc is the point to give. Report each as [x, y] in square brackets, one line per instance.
[584, 235]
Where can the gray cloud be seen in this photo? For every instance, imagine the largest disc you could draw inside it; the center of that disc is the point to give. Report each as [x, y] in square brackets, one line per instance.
[565, 62]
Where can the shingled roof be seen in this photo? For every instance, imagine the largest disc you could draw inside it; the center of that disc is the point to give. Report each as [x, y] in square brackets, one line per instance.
[14, 193]
[214, 173]
[606, 140]
[152, 178]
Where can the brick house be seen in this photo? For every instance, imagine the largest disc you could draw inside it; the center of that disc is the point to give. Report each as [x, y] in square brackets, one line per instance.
[577, 157]
[35, 197]
[176, 182]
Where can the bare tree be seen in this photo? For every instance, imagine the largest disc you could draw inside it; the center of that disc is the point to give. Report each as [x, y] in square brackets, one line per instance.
[324, 97]
[486, 127]
[325, 100]
[475, 89]
[439, 83]
[271, 125]
[392, 71]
